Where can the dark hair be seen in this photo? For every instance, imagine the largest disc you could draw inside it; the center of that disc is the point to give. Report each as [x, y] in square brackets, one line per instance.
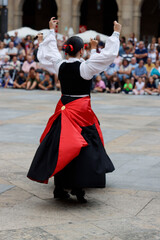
[21, 71]
[125, 59]
[73, 45]
[46, 73]
[32, 68]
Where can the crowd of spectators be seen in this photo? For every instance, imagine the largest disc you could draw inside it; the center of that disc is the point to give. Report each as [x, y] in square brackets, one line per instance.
[136, 69]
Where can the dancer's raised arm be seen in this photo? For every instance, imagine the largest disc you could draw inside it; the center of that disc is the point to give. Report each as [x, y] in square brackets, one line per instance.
[98, 62]
[48, 53]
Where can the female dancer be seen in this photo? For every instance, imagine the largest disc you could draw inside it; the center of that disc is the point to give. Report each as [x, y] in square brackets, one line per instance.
[71, 146]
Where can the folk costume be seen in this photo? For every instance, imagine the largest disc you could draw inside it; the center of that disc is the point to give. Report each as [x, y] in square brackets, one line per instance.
[71, 147]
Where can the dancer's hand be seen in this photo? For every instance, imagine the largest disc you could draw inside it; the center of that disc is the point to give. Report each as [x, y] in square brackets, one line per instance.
[40, 37]
[53, 23]
[93, 43]
[117, 27]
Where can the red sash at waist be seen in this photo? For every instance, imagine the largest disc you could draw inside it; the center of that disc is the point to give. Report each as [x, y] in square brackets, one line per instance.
[74, 115]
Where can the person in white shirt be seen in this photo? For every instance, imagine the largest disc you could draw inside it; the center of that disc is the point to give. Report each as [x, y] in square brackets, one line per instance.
[15, 64]
[139, 87]
[3, 51]
[12, 51]
[152, 52]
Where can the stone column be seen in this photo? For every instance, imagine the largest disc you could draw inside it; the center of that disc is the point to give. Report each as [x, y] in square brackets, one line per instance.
[127, 17]
[65, 16]
[137, 17]
[10, 15]
[76, 17]
[137, 23]
[18, 19]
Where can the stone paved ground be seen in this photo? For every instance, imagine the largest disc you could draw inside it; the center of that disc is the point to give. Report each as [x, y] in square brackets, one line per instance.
[127, 209]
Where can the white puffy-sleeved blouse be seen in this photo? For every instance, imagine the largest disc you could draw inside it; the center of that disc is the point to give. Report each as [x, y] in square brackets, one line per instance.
[51, 59]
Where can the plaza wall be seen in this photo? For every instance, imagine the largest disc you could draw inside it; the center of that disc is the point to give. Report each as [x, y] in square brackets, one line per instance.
[129, 15]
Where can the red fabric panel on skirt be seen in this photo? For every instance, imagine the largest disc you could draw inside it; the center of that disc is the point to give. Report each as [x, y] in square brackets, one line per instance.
[74, 115]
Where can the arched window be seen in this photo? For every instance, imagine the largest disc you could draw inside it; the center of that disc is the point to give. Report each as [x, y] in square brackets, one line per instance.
[36, 13]
[99, 15]
[150, 19]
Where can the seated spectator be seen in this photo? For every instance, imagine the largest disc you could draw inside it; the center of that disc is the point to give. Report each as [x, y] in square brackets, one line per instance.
[131, 47]
[133, 65]
[30, 49]
[155, 73]
[151, 86]
[140, 71]
[15, 64]
[141, 52]
[12, 51]
[149, 65]
[3, 51]
[132, 38]
[32, 79]
[124, 71]
[17, 40]
[21, 49]
[46, 83]
[8, 82]
[128, 87]
[100, 85]
[111, 71]
[152, 53]
[6, 39]
[20, 81]
[21, 58]
[127, 55]
[27, 65]
[123, 39]
[153, 41]
[12, 38]
[35, 52]
[121, 49]
[114, 85]
[28, 40]
[139, 87]
[6, 66]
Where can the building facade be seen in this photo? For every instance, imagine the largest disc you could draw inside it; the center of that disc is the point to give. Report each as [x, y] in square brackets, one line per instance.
[138, 16]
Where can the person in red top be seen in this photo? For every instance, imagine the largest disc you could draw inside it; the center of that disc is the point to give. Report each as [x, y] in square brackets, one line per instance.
[71, 147]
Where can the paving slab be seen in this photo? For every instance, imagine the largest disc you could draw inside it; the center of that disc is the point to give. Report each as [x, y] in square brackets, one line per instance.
[4, 188]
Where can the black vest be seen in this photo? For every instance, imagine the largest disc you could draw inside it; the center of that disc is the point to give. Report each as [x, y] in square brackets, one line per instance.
[71, 81]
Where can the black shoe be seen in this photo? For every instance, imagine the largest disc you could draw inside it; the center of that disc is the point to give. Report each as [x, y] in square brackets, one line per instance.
[79, 193]
[81, 199]
[61, 194]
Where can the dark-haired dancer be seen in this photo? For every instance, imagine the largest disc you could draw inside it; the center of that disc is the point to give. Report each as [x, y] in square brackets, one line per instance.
[72, 147]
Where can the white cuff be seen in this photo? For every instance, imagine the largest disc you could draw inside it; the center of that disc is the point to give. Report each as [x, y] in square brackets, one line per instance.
[52, 30]
[116, 34]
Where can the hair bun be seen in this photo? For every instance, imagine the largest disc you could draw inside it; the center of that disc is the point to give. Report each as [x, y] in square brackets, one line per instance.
[73, 45]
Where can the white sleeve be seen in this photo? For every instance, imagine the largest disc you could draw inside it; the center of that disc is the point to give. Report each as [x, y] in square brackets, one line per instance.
[48, 53]
[98, 62]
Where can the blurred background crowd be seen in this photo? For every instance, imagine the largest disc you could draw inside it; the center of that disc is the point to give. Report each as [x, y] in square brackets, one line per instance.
[136, 69]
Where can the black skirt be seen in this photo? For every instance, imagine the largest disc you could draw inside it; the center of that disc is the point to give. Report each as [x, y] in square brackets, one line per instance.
[87, 170]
